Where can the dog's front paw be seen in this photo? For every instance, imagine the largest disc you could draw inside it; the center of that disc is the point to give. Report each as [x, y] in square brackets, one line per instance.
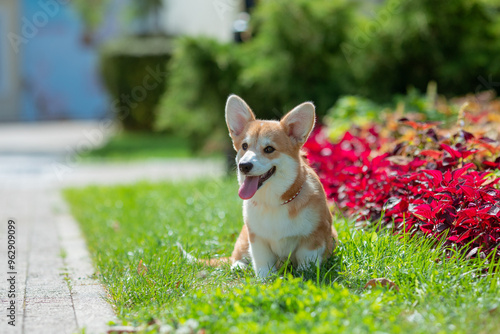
[240, 264]
[303, 267]
[265, 272]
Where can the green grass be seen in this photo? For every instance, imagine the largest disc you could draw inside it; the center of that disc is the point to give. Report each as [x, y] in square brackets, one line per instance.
[125, 225]
[133, 146]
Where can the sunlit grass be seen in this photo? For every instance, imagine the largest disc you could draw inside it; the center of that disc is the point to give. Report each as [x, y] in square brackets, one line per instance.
[132, 230]
[140, 145]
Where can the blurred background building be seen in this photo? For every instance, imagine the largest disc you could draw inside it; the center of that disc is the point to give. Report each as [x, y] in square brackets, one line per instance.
[49, 49]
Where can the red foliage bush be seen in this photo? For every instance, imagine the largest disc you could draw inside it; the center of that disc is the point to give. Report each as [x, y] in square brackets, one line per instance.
[426, 187]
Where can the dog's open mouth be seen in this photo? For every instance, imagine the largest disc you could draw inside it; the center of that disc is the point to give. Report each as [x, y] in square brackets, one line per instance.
[253, 183]
[264, 177]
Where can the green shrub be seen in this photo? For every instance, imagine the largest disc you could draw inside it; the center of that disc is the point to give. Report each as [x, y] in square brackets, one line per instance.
[296, 55]
[320, 50]
[203, 73]
[412, 42]
[134, 73]
[349, 110]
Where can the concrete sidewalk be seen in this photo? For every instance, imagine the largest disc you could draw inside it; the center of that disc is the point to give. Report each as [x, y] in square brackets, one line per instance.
[55, 288]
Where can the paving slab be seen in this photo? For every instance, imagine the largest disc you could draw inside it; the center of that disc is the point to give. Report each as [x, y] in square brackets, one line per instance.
[53, 137]
[53, 273]
[90, 306]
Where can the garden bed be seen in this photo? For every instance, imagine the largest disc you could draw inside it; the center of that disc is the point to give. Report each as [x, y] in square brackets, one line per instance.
[420, 177]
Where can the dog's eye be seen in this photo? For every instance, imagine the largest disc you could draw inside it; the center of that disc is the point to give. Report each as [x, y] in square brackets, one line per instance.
[269, 149]
[244, 146]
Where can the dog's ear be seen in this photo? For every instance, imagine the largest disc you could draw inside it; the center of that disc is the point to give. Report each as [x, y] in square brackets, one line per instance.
[238, 114]
[299, 122]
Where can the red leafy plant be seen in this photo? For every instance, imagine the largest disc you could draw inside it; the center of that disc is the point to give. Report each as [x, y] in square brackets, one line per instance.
[436, 185]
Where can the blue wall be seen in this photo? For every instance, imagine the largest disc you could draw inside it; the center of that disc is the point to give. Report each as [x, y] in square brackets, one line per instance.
[60, 76]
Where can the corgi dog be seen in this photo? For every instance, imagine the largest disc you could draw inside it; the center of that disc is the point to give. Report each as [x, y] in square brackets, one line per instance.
[285, 211]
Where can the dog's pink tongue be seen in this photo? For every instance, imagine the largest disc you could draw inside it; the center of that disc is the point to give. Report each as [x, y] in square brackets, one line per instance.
[249, 187]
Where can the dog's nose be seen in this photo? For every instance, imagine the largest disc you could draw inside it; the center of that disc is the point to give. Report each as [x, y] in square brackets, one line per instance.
[245, 167]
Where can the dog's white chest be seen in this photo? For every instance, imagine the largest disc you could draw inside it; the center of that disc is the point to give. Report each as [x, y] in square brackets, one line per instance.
[275, 224]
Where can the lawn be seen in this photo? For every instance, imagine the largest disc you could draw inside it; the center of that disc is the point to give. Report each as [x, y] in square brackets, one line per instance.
[140, 145]
[131, 232]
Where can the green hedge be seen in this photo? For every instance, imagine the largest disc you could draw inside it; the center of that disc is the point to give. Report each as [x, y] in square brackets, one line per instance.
[320, 50]
[134, 73]
[202, 75]
[279, 68]
[411, 42]
[295, 55]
